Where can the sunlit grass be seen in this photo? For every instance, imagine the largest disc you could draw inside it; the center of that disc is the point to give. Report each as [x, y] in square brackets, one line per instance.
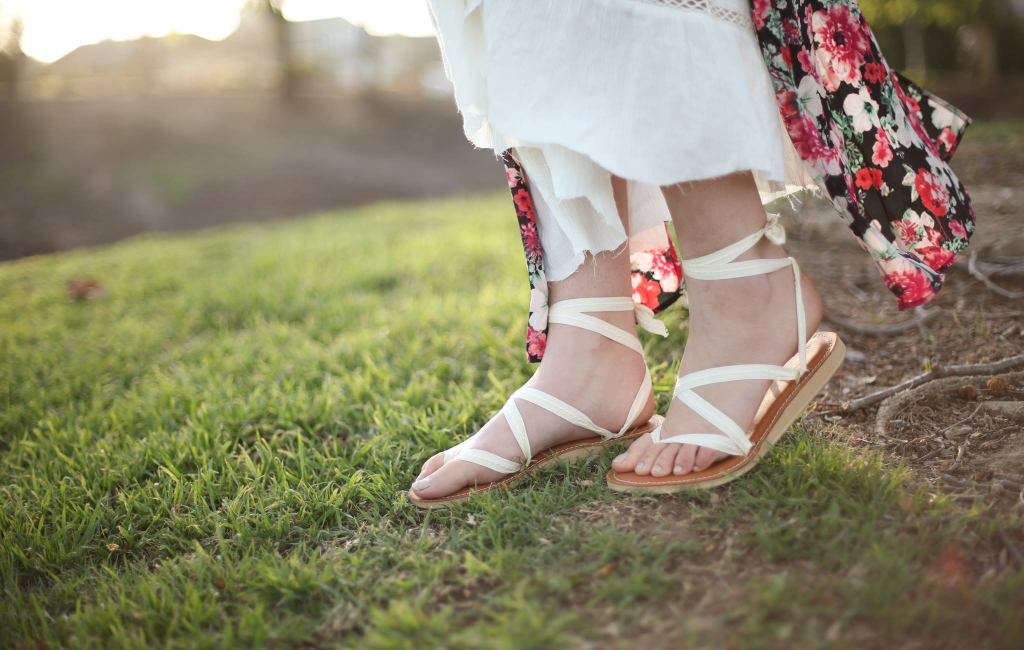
[214, 453]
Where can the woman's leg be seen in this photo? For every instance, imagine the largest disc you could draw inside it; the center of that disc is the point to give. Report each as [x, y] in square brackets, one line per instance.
[596, 375]
[736, 321]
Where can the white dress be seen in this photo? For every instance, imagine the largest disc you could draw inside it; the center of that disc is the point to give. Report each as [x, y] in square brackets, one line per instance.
[657, 92]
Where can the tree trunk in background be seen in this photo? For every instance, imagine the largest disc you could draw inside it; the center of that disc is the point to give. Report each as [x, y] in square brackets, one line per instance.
[14, 61]
[913, 43]
[979, 51]
[287, 79]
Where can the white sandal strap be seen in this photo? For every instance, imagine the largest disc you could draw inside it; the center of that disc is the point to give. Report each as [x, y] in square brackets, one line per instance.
[715, 441]
[570, 312]
[646, 388]
[723, 374]
[515, 422]
[720, 266]
[595, 324]
[490, 461]
[565, 411]
[720, 420]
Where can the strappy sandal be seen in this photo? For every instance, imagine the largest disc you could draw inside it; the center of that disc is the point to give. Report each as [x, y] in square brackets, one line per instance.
[793, 386]
[574, 313]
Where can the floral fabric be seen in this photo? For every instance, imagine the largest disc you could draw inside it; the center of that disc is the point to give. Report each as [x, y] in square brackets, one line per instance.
[876, 144]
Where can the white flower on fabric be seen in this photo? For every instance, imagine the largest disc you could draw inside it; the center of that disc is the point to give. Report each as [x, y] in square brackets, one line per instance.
[644, 261]
[942, 117]
[810, 93]
[875, 241]
[938, 168]
[539, 303]
[923, 220]
[863, 110]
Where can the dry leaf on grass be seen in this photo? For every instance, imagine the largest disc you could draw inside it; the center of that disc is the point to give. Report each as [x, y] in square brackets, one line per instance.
[949, 570]
[85, 289]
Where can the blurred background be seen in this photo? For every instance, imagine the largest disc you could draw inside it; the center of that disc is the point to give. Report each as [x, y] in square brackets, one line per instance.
[124, 116]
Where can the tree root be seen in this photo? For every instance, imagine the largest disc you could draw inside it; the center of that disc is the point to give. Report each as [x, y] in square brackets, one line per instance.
[972, 268]
[923, 317]
[1012, 267]
[941, 387]
[967, 371]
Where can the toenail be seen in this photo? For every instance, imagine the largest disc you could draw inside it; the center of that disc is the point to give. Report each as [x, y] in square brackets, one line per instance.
[619, 458]
[640, 465]
[423, 484]
[657, 468]
[678, 469]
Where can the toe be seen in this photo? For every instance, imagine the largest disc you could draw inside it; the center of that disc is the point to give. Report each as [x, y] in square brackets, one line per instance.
[665, 460]
[646, 462]
[705, 458]
[627, 461]
[431, 466]
[684, 460]
[450, 478]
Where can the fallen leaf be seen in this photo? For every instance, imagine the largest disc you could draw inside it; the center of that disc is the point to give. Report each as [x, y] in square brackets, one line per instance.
[949, 570]
[710, 548]
[606, 571]
[586, 483]
[112, 547]
[906, 503]
[716, 500]
[85, 289]
[218, 583]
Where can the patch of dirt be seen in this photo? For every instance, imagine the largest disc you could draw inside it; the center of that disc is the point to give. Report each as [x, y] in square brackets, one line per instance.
[968, 323]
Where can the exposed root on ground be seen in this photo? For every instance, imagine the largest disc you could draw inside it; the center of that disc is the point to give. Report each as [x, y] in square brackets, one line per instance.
[966, 373]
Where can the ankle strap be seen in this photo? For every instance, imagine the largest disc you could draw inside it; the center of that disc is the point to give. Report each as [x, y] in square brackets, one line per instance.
[574, 312]
[720, 266]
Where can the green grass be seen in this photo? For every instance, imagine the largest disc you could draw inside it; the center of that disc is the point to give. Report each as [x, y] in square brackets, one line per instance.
[240, 414]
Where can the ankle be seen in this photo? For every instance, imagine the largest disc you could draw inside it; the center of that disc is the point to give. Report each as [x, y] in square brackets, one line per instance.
[753, 305]
[717, 303]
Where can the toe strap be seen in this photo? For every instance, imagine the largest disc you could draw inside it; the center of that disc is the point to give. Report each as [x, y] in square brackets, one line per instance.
[714, 441]
[489, 460]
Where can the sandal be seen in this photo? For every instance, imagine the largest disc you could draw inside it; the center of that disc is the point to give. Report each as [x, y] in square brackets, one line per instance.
[567, 312]
[794, 384]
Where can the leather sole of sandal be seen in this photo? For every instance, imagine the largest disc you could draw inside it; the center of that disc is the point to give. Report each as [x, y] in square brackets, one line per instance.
[780, 408]
[567, 452]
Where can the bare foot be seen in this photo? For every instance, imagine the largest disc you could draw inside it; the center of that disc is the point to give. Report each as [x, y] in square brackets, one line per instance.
[737, 321]
[584, 369]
